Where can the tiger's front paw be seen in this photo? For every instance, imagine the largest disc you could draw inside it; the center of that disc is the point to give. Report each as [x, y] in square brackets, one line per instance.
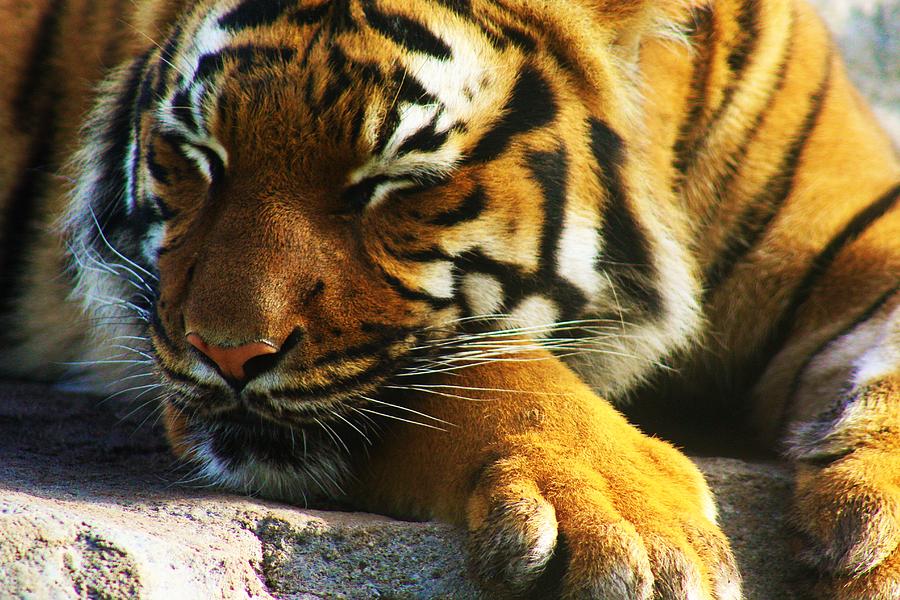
[550, 521]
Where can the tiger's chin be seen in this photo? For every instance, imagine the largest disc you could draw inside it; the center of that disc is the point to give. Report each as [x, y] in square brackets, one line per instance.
[258, 456]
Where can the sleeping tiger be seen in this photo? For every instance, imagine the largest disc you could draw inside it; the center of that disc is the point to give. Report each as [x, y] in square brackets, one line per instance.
[409, 255]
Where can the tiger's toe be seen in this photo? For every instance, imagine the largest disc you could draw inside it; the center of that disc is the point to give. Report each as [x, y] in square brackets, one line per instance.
[571, 538]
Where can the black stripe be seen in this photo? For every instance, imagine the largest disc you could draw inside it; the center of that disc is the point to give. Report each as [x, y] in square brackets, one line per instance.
[468, 210]
[461, 7]
[116, 134]
[382, 369]
[734, 163]
[376, 347]
[427, 139]
[340, 82]
[415, 295]
[309, 16]
[423, 256]
[522, 39]
[550, 171]
[166, 61]
[255, 13]
[517, 285]
[844, 331]
[755, 220]
[23, 205]
[857, 226]
[181, 108]
[627, 253]
[747, 20]
[164, 210]
[339, 15]
[38, 72]
[702, 41]
[410, 90]
[358, 195]
[737, 60]
[157, 171]
[407, 33]
[247, 56]
[531, 105]
[356, 124]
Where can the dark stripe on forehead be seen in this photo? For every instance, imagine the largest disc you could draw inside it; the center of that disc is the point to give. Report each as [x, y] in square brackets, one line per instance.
[340, 82]
[531, 105]
[408, 90]
[427, 139]
[407, 33]
[626, 249]
[247, 57]
[255, 13]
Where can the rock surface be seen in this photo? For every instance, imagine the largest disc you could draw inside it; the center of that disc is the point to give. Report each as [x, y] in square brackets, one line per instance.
[93, 507]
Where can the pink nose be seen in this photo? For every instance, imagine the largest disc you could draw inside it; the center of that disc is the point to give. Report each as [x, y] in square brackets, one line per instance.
[231, 361]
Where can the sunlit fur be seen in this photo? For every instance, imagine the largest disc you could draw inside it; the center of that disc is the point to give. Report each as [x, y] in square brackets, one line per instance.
[426, 204]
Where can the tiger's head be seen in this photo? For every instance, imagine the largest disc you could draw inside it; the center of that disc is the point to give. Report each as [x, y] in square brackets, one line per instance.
[304, 204]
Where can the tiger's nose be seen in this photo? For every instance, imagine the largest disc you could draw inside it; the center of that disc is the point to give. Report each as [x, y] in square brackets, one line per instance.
[231, 361]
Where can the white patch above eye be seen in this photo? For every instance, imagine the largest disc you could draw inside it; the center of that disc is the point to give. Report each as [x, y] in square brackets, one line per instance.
[209, 38]
[458, 82]
[413, 118]
[483, 293]
[384, 190]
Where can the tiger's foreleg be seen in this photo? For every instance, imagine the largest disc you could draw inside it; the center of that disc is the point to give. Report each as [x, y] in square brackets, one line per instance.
[847, 451]
[560, 495]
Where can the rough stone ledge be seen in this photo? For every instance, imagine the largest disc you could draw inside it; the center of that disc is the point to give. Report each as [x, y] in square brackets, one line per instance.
[90, 508]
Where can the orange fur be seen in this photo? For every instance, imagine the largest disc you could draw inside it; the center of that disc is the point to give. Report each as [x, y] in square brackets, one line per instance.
[694, 183]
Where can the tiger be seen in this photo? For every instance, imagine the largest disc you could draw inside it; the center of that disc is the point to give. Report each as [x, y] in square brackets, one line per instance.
[421, 257]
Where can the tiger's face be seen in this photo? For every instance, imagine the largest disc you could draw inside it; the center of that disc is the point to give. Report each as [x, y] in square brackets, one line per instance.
[306, 203]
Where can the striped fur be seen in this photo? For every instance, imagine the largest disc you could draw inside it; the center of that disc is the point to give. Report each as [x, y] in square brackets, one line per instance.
[682, 200]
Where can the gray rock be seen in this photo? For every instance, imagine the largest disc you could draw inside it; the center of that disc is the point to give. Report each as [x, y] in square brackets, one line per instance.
[94, 507]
